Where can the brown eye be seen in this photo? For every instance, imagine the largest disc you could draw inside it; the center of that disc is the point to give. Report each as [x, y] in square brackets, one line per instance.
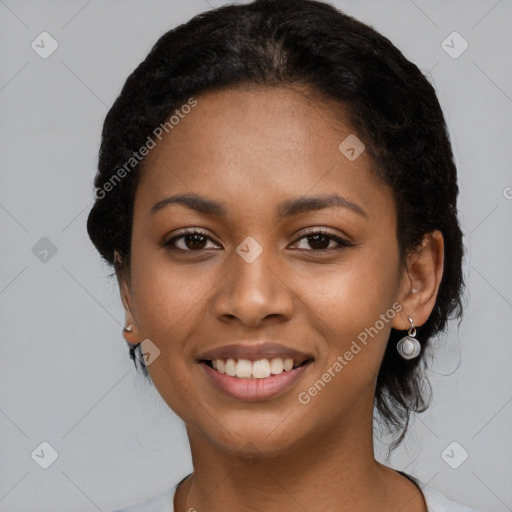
[194, 242]
[190, 241]
[321, 240]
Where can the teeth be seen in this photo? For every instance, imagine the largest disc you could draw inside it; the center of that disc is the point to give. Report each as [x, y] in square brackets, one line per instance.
[230, 367]
[276, 366]
[260, 369]
[243, 368]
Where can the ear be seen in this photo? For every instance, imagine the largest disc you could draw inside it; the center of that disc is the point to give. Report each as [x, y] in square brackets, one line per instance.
[420, 281]
[123, 279]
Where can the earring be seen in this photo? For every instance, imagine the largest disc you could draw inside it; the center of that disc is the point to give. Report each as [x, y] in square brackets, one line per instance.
[409, 347]
[128, 328]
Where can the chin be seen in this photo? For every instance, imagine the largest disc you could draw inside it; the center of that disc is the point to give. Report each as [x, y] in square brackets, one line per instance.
[256, 439]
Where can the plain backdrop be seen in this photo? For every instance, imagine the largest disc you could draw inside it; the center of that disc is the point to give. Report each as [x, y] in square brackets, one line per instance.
[66, 378]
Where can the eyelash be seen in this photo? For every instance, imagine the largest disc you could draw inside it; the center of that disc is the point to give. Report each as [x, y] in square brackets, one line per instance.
[342, 243]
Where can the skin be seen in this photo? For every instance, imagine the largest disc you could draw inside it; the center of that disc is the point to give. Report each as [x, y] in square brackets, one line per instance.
[251, 149]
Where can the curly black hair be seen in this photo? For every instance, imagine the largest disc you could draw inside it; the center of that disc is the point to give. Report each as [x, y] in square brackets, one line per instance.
[313, 46]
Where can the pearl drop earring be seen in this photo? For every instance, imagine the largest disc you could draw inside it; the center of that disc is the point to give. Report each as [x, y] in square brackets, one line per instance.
[409, 347]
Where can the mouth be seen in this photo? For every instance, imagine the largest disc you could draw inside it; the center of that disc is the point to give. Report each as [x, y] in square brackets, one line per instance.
[254, 372]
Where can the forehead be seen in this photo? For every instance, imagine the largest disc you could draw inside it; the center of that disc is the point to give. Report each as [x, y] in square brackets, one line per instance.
[254, 145]
[242, 120]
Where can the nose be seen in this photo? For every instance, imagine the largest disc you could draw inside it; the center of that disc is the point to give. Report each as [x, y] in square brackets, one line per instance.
[252, 293]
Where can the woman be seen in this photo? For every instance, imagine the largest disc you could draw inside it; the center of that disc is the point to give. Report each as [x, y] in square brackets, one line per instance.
[277, 194]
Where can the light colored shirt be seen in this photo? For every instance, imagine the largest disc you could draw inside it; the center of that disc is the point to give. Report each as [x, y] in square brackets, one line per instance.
[436, 502]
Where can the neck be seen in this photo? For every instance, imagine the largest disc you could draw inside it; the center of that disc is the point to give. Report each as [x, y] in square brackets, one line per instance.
[334, 471]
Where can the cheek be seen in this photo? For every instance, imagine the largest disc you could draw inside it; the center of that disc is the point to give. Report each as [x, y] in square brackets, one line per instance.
[353, 310]
[167, 310]
[166, 297]
[352, 296]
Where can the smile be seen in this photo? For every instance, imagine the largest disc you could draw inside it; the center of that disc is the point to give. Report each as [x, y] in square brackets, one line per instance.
[259, 369]
[254, 380]
[249, 371]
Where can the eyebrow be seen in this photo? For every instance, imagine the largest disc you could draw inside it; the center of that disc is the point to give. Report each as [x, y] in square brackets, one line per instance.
[284, 209]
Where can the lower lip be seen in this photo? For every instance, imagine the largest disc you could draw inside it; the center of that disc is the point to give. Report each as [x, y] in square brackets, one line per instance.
[254, 389]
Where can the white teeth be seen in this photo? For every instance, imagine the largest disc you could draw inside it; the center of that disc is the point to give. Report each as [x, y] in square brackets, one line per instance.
[260, 369]
[276, 366]
[221, 365]
[243, 368]
[231, 367]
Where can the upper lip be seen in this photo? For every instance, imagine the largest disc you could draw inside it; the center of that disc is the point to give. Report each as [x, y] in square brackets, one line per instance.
[253, 352]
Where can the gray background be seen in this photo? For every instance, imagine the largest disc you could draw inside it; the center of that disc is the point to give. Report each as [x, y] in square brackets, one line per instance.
[65, 373]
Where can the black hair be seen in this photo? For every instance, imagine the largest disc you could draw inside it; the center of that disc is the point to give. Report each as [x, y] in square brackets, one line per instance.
[308, 45]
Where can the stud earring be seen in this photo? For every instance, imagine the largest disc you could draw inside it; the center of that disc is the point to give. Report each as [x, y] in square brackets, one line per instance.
[128, 328]
[409, 347]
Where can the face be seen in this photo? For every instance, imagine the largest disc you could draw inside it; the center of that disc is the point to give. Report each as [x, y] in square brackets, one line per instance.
[284, 250]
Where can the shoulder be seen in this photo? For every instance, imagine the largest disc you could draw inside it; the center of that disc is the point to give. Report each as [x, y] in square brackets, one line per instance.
[437, 502]
[161, 503]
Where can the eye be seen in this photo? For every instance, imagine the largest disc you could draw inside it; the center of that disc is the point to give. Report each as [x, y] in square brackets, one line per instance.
[321, 239]
[191, 241]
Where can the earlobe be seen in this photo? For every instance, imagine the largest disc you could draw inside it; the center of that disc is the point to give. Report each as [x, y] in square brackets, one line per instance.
[130, 331]
[421, 280]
